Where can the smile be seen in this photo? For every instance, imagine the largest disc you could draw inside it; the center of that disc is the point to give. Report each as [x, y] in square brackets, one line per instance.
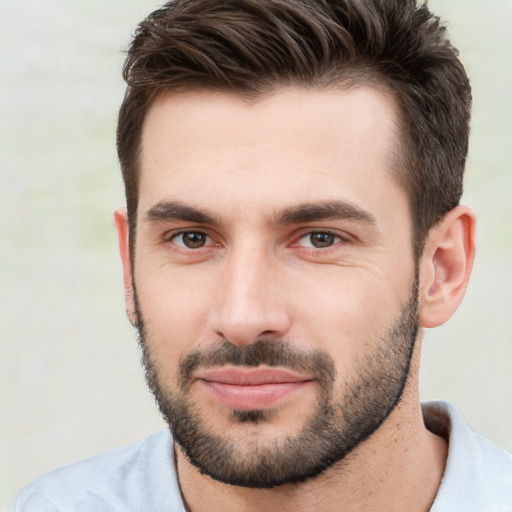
[251, 389]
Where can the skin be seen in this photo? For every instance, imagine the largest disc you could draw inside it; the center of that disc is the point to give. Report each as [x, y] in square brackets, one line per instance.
[257, 276]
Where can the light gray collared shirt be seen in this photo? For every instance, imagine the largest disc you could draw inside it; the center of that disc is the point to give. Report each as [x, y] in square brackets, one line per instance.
[142, 477]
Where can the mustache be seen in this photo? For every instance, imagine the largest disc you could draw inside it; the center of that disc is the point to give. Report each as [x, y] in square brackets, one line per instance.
[261, 352]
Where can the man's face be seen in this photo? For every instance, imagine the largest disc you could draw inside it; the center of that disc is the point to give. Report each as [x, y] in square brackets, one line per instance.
[274, 275]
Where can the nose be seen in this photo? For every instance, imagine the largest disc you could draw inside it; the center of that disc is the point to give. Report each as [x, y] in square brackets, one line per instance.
[251, 302]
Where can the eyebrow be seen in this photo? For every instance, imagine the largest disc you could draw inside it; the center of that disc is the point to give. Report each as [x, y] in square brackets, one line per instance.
[174, 210]
[324, 210]
[296, 214]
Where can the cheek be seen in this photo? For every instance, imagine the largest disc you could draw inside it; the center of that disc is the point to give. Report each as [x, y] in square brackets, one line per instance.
[346, 315]
[174, 307]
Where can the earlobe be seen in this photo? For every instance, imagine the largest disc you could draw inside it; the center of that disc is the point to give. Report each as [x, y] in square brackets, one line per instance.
[123, 238]
[446, 265]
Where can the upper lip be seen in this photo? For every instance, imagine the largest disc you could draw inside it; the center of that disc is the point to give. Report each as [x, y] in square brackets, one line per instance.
[250, 376]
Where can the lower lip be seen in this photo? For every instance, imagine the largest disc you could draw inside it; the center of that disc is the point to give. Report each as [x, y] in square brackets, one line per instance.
[253, 397]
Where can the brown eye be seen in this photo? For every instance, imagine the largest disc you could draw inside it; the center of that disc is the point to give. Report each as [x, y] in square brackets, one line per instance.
[191, 239]
[321, 240]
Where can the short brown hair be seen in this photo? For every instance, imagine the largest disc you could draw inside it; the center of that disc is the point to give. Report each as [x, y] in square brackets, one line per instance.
[252, 47]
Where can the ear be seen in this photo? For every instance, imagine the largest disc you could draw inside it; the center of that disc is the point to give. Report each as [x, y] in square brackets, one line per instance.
[123, 238]
[446, 265]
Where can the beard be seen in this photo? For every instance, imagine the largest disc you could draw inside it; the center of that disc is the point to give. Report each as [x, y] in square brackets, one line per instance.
[345, 415]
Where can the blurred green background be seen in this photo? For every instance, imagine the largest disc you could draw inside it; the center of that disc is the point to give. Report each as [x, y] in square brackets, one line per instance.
[71, 385]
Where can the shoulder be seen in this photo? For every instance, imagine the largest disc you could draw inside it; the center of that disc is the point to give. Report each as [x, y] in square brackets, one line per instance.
[137, 477]
[478, 473]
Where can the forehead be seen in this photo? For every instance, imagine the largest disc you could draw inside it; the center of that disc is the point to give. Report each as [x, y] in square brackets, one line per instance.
[216, 148]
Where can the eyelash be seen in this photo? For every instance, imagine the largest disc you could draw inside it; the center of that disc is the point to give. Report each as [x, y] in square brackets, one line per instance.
[173, 236]
[339, 239]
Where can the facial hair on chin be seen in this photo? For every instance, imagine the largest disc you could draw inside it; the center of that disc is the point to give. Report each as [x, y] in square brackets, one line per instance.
[342, 419]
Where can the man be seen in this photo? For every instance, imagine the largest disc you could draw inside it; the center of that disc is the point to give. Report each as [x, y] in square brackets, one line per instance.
[293, 171]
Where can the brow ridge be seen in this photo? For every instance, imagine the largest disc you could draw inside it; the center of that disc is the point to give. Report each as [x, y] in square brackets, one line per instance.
[324, 210]
[176, 210]
[295, 214]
